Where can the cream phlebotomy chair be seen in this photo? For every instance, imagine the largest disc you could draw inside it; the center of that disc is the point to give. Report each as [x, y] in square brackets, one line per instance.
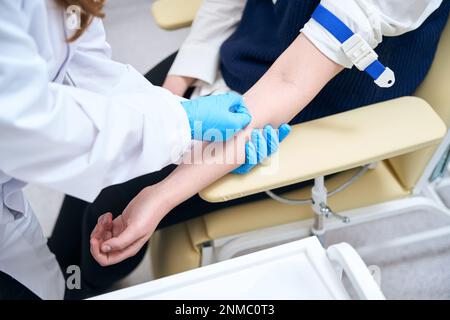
[383, 154]
[308, 272]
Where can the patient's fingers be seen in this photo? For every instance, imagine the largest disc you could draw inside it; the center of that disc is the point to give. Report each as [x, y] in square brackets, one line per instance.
[240, 120]
[101, 233]
[261, 145]
[233, 99]
[95, 232]
[242, 115]
[98, 255]
[103, 225]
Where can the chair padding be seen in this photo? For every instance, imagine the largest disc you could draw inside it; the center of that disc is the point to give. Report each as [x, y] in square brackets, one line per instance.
[375, 186]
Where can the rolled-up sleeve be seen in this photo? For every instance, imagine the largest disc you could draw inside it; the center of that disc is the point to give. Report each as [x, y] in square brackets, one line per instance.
[198, 57]
[371, 19]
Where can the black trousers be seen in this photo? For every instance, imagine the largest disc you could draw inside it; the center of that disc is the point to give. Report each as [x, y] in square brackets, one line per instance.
[71, 235]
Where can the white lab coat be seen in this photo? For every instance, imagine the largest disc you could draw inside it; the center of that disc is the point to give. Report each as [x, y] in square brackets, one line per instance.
[73, 120]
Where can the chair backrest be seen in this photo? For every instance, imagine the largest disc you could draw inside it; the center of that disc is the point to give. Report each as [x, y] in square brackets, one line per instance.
[436, 91]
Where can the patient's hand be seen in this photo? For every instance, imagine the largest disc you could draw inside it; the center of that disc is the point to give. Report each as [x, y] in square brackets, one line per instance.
[113, 241]
[263, 144]
[178, 84]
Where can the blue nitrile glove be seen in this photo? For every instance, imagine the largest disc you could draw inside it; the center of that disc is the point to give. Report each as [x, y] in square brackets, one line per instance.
[261, 146]
[217, 117]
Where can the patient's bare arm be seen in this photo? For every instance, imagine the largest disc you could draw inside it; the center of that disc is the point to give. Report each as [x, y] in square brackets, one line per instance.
[288, 86]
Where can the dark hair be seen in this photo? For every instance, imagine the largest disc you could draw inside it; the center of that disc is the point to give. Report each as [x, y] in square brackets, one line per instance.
[89, 10]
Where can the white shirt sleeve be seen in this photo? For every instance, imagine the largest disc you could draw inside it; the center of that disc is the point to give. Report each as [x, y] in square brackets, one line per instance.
[372, 19]
[198, 57]
[76, 140]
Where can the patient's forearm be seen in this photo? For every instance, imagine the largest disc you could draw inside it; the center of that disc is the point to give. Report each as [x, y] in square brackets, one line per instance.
[289, 85]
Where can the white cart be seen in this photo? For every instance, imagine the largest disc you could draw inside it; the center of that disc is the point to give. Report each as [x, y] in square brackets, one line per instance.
[297, 270]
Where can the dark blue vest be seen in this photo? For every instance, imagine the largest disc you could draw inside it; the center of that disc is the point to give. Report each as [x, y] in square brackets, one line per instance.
[266, 30]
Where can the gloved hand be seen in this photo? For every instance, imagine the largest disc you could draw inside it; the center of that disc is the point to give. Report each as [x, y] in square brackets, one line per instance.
[261, 146]
[217, 117]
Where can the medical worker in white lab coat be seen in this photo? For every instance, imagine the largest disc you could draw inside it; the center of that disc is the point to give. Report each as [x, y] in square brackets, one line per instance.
[76, 121]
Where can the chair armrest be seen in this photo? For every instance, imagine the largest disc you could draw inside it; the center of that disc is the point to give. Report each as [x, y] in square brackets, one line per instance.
[175, 14]
[337, 143]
